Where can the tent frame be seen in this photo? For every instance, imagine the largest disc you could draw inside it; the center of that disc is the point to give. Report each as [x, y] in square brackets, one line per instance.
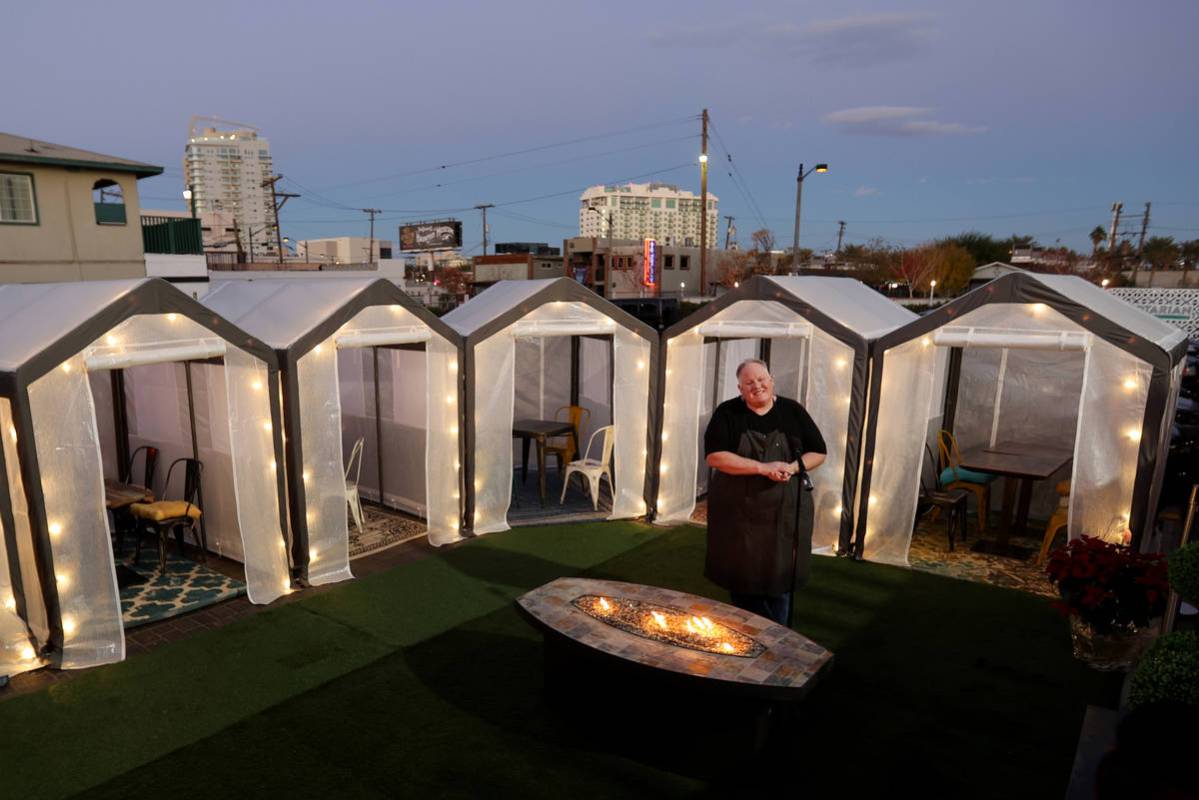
[763, 289]
[151, 297]
[1024, 288]
[568, 291]
[378, 293]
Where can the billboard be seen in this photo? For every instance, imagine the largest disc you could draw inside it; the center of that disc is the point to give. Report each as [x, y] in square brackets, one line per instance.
[443, 234]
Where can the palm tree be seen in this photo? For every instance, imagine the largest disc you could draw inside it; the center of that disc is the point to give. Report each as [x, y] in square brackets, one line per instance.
[1189, 251]
[1097, 235]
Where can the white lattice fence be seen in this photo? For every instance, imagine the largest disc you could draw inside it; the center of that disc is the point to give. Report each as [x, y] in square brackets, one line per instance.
[1179, 307]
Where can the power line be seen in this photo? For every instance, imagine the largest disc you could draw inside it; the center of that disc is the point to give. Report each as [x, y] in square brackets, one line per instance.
[443, 184]
[513, 153]
[743, 185]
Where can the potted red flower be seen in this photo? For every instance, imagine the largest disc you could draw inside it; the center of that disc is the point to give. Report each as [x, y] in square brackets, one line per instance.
[1113, 598]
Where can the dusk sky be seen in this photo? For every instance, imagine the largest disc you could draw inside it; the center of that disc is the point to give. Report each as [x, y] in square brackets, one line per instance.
[1021, 116]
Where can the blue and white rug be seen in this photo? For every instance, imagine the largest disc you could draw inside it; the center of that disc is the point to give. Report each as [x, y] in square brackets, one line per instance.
[185, 586]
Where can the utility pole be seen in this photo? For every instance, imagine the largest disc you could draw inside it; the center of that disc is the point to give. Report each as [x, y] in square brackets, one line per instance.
[1117, 208]
[370, 254]
[241, 255]
[840, 234]
[703, 205]
[1136, 264]
[278, 199]
[483, 207]
[729, 232]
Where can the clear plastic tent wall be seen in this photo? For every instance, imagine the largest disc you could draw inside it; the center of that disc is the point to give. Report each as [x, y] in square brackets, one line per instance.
[69, 457]
[497, 378]
[17, 651]
[1063, 386]
[419, 415]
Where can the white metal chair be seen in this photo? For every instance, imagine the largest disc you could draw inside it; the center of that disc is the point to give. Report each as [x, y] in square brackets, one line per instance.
[591, 469]
[352, 497]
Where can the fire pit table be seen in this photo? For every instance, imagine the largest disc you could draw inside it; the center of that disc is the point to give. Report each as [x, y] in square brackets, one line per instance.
[670, 638]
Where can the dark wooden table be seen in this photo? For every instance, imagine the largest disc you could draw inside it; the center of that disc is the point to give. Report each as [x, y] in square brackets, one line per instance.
[539, 430]
[1020, 463]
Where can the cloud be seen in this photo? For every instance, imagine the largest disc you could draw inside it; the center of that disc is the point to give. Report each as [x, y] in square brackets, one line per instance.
[866, 191]
[895, 121]
[865, 40]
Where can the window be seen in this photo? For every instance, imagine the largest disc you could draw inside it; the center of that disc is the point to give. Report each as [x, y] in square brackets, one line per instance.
[668, 262]
[18, 205]
[670, 204]
[109, 202]
[684, 262]
[656, 202]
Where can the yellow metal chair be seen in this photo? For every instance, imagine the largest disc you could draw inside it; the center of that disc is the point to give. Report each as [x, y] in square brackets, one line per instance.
[1058, 521]
[563, 447]
[954, 477]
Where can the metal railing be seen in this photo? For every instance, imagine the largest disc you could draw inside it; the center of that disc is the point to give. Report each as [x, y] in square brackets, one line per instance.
[172, 236]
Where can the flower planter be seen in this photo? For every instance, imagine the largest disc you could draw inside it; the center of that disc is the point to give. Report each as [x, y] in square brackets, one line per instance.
[1112, 650]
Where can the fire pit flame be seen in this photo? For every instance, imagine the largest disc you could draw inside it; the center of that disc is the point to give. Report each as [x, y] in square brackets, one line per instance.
[669, 625]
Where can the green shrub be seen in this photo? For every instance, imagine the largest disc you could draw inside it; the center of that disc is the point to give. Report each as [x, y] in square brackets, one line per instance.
[1169, 671]
[1184, 572]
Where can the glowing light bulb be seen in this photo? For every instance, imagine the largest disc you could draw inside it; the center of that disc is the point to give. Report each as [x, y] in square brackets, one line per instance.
[63, 580]
[453, 365]
[68, 625]
[312, 554]
[640, 364]
[10, 603]
[1130, 383]
[273, 466]
[926, 341]
[111, 340]
[395, 309]
[454, 430]
[304, 475]
[55, 528]
[1134, 434]
[665, 435]
[27, 653]
[840, 363]
[837, 511]
[1037, 308]
[12, 432]
[873, 499]
[66, 366]
[286, 585]
[256, 385]
[172, 317]
[449, 399]
[663, 469]
[266, 426]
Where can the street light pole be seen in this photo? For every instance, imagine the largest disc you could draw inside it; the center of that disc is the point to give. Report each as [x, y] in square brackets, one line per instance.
[932, 291]
[798, 202]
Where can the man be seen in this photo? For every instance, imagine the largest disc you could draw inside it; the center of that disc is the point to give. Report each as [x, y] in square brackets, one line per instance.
[759, 520]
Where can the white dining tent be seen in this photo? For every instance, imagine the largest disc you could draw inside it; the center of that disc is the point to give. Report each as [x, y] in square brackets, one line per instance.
[1049, 361]
[532, 346]
[56, 341]
[360, 359]
[814, 333]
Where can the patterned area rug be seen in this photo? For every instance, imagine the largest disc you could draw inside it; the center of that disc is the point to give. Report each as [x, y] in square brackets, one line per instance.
[930, 553]
[185, 586]
[382, 528]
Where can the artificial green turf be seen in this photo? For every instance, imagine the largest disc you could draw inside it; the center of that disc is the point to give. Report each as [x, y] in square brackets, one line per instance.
[432, 686]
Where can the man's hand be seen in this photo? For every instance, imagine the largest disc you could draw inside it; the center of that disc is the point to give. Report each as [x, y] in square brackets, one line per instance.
[779, 471]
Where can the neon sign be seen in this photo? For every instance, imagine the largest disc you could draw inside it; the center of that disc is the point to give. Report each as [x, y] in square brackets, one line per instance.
[650, 259]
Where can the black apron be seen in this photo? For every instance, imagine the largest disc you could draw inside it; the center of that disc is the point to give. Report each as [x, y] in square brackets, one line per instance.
[758, 528]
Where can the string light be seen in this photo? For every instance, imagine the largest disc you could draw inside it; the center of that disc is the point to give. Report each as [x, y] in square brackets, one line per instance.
[68, 625]
[66, 366]
[840, 363]
[663, 468]
[172, 317]
[1134, 434]
[640, 364]
[1130, 383]
[55, 528]
[453, 365]
[10, 603]
[1037, 308]
[312, 554]
[27, 653]
[266, 425]
[449, 399]
[256, 385]
[926, 341]
[12, 432]
[111, 340]
[872, 499]
[63, 580]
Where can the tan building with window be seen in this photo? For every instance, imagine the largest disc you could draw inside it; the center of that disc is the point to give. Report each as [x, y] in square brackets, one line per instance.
[68, 214]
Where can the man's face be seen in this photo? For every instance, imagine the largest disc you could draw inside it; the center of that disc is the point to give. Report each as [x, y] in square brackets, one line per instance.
[756, 385]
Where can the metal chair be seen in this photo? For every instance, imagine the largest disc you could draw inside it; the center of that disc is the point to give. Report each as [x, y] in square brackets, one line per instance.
[952, 476]
[591, 469]
[352, 497]
[952, 501]
[564, 450]
[1059, 520]
[122, 520]
[164, 517]
[150, 460]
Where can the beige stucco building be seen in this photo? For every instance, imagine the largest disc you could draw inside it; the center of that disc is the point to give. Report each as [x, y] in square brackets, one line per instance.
[68, 214]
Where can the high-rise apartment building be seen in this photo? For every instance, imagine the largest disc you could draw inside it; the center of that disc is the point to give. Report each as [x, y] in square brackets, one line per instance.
[226, 171]
[646, 211]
